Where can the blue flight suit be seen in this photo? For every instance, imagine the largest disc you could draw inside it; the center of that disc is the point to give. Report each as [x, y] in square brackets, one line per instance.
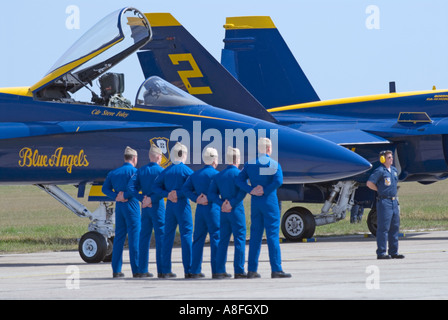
[388, 210]
[265, 209]
[223, 188]
[152, 218]
[173, 178]
[206, 217]
[127, 216]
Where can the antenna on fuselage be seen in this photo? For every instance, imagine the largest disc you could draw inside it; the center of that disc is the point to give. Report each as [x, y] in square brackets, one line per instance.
[392, 88]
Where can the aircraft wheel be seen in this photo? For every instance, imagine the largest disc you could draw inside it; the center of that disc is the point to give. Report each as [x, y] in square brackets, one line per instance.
[93, 247]
[372, 223]
[110, 247]
[298, 223]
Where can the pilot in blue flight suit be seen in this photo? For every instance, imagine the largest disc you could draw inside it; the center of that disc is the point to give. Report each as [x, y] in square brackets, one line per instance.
[178, 211]
[153, 210]
[224, 192]
[265, 176]
[127, 213]
[207, 213]
[384, 180]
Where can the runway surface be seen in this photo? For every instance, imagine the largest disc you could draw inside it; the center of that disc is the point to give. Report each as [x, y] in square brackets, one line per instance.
[330, 268]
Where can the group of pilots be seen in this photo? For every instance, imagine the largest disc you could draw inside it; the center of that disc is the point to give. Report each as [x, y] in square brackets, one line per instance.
[219, 212]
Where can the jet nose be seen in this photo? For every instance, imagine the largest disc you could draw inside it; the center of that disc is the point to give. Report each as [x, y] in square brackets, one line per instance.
[340, 163]
[308, 159]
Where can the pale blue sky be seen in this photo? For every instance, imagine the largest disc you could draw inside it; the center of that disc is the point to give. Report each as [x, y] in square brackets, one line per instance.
[329, 38]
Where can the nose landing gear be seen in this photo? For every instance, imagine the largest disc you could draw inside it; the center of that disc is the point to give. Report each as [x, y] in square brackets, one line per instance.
[96, 245]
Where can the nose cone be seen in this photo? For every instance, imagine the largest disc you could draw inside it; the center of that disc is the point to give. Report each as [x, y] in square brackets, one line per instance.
[308, 159]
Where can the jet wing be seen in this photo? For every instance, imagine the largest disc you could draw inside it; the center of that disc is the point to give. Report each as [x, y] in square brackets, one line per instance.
[340, 130]
[351, 137]
[10, 130]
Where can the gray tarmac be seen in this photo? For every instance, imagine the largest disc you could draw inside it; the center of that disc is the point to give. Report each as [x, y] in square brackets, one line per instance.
[330, 268]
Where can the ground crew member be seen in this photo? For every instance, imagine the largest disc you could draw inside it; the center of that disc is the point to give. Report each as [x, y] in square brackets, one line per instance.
[224, 192]
[178, 211]
[265, 177]
[153, 210]
[207, 213]
[384, 180]
[127, 213]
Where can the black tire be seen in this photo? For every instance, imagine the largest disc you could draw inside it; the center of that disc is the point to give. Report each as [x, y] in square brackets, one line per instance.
[298, 223]
[372, 221]
[110, 247]
[92, 247]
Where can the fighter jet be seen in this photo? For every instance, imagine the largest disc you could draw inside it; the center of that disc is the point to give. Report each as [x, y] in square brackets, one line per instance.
[413, 125]
[49, 136]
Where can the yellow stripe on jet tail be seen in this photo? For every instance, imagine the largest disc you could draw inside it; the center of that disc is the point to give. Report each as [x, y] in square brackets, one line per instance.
[250, 22]
[162, 20]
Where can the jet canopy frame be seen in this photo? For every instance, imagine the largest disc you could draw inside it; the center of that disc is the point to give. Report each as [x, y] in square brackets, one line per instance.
[106, 44]
[156, 92]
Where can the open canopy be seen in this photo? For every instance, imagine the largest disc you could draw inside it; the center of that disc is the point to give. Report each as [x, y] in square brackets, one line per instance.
[110, 41]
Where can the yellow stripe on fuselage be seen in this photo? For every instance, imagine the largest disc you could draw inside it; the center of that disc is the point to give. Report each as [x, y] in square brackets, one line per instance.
[335, 102]
[25, 91]
[182, 114]
[18, 91]
[249, 22]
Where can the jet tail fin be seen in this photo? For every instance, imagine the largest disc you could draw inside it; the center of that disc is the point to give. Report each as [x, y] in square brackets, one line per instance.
[256, 54]
[176, 56]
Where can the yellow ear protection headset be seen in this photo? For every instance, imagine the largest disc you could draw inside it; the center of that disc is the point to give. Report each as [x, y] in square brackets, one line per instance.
[383, 156]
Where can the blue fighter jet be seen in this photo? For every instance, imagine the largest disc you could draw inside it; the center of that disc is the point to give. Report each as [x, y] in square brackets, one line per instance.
[49, 136]
[413, 125]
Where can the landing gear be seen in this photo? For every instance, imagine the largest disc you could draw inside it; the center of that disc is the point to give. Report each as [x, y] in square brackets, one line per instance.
[372, 223]
[298, 223]
[96, 245]
[92, 247]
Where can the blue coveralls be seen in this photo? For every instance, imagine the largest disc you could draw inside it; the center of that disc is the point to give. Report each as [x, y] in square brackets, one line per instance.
[127, 216]
[223, 188]
[388, 211]
[265, 209]
[173, 178]
[206, 217]
[152, 218]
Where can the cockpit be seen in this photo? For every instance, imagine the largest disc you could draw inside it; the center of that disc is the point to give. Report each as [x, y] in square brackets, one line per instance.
[156, 92]
[105, 45]
[112, 88]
